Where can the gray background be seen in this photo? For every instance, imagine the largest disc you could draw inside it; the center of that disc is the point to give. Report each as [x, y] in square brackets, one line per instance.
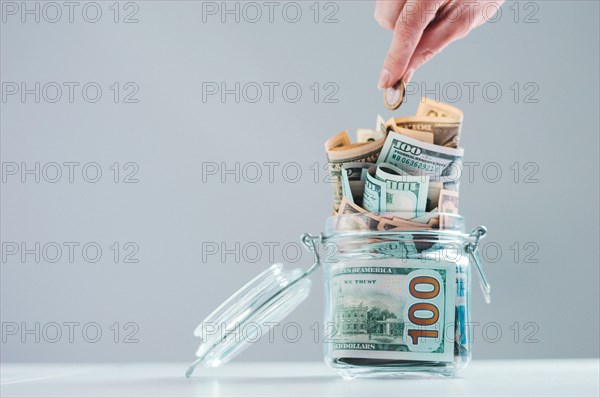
[171, 211]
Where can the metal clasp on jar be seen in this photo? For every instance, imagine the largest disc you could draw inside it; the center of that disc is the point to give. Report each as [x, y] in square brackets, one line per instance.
[471, 248]
[311, 242]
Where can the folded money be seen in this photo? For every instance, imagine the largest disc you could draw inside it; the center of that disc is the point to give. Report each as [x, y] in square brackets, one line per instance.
[353, 180]
[403, 175]
[352, 217]
[440, 130]
[340, 151]
[428, 107]
[420, 158]
[389, 189]
[442, 121]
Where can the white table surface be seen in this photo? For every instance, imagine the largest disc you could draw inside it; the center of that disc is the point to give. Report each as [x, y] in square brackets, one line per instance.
[481, 378]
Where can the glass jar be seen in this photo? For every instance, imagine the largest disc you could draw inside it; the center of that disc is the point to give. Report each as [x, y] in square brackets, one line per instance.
[397, 302]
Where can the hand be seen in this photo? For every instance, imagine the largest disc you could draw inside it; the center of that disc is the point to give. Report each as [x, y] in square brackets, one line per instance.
[423, 28]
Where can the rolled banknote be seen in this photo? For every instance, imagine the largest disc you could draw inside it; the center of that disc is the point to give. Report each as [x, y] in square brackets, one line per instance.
[389, 189]
[386, 171]
[340, 151]
[441, 164]
[374, 193]
[422, 136]
[429, 107]
[445, 130]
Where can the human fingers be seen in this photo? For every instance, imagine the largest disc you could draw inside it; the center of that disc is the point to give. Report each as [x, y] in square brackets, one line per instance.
[412, 21]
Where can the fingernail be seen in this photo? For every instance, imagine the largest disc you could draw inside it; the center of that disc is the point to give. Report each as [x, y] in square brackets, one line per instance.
[384, 79]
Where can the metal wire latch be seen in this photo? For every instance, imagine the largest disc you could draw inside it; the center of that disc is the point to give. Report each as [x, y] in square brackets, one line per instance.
[311, 242]
[471, 248]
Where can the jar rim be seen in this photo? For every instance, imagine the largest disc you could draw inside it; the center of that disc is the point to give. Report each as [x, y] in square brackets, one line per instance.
[405, 234]
[448, 225]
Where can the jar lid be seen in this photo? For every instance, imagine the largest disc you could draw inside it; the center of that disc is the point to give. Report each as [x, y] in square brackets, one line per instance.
[269, 297]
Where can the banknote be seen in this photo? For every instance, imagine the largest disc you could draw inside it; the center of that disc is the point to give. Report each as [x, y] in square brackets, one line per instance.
[433, 195]
[429, 217]
[392, 190]
[381, 319]
[386, 171]
[341, 151]
[423, 136]
[403, 193]
[374, 194]
[429, 107]
[445, 130]
[372, 220]
[386, 224]
[441, 164]
[353, 180]
[363, 220]
[356, 218]
[448, 204]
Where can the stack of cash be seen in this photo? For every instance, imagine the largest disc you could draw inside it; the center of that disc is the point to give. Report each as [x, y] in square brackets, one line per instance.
[403, 175]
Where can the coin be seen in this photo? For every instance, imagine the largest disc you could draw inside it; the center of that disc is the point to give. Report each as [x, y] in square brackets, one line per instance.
[394, 96]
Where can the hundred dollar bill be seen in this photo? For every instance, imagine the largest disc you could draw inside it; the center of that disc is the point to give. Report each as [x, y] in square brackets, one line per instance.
[404, 193]
[391, 190]
[429, 107]
[353, 180]
[386, 171]
[445, 130]
[414, 157]
[340, 151]
[377, 309]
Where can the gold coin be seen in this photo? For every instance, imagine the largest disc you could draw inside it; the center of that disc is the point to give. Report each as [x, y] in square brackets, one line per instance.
[394, 96]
